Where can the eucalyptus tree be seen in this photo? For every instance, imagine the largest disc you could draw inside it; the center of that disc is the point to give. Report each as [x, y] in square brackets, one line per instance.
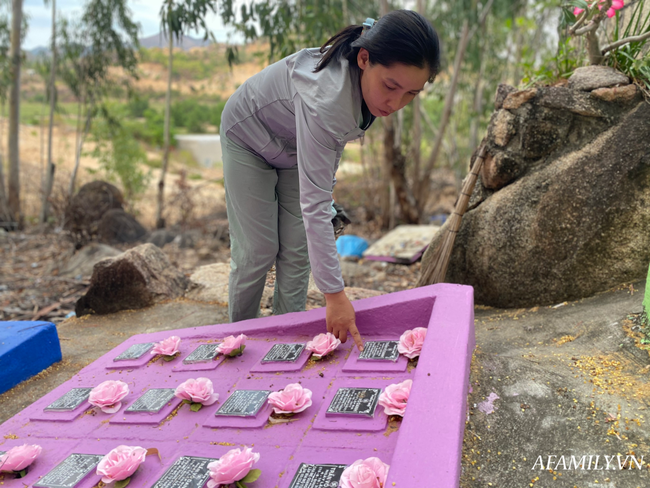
[5, 32]
[104, 37]
[48, 179]
[177, 18]
[14, 110]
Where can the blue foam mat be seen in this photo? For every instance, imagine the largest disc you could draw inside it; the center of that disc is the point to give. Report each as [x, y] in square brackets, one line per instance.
[26, 349]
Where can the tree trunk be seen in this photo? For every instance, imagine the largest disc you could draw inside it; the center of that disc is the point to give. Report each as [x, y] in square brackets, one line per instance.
[160, 221]
[478, 95]
[81, 137]
[424, 182]
[385, 190]
[48, 181]
[402, 192]
[14, 113]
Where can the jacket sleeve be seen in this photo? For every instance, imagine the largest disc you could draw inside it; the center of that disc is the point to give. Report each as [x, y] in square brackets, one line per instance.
[318, 156]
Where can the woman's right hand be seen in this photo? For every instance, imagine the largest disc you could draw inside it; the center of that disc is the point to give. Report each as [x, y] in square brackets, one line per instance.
[340, 318]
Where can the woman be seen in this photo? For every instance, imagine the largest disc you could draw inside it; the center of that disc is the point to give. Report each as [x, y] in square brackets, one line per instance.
[283, 132]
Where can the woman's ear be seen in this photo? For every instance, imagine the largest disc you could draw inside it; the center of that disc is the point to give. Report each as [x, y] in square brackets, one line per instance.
[363, 58]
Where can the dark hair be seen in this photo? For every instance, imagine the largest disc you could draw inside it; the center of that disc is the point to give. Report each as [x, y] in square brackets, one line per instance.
[401, 36]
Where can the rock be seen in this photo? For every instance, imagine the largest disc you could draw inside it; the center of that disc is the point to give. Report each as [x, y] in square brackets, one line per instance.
[210, 284]
[499, 170]
[82, 262]
[3, 234]
[592, 77]
[502, 127]
[503, 91]
[624, 94]
[559, 97]
[187, 240]
[118, 226]
[160, 237]
[135, 279]
[575, 222]
[88, 206]
[516, 99]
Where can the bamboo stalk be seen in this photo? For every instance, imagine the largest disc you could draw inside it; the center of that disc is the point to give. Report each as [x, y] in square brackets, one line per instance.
[436, 271]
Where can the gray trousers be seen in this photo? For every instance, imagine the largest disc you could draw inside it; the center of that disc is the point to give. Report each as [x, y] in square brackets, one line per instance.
[266, 227]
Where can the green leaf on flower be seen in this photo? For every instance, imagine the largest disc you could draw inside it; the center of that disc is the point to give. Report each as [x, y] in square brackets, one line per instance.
[195, 407]
[578, 3]
[122, 483]
[252, 475]
[189, 402]
[169, 358]
[239, 484]
[21, 474]
[237, 352]
[316, 358]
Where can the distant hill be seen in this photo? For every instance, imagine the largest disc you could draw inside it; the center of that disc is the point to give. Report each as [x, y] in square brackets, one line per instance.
[160, 40]
[157, 40]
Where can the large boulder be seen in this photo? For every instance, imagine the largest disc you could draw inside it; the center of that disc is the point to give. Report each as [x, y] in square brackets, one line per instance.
[83, 261]
[96, 211]
[562, 206]
[135, 279]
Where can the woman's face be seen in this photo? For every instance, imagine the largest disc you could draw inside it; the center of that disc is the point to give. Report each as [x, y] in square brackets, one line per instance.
[388, 89]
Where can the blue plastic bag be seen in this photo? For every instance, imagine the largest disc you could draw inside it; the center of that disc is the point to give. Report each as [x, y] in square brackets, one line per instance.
[347, 245]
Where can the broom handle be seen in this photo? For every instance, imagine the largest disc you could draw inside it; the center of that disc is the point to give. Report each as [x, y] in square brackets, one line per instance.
[468, 187]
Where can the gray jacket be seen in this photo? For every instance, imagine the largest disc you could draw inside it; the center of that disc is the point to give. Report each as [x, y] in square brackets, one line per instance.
[289, 115]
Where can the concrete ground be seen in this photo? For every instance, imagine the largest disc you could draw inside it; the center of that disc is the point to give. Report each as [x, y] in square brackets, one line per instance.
[548, 381]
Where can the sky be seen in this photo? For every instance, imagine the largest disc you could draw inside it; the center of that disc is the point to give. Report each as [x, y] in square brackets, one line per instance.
[145, 12]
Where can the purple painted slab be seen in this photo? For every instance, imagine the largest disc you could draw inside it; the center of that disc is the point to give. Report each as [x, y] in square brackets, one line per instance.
[355, 365]
[297, 365]
[433, 424]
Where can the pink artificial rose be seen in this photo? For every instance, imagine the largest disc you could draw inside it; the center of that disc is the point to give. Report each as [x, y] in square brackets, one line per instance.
[197, 391]
[577, 11]
[19, 457]
[395, 397]
[410, 343]
[232, 466]
[365, 473]
[293, 399]
[121, 463]
[168, 347]
[108, 395]
[232, 346]
[323, 344]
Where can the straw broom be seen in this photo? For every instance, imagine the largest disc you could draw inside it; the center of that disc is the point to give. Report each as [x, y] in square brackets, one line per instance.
[437, 269]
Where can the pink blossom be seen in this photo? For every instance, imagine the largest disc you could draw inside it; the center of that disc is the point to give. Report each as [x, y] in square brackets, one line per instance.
[293, 399]
[197, 391]
[120, 463]
[411, 341]
[611, 12]
[168, 347]
[365, 473]
[19, 457]
[395, 397]
[232, 345]
[108, 395]
[232, 466]
[323, 344]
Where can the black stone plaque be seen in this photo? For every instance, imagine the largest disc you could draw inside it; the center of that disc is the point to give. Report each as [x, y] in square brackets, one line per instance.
[380, 351]
[244, 403]
[186, 472]
[152, 401]
[202, 354]
[318, 476]
[134, 352]
[354, 401]
[71, 471]
[70, 400]
[285, 353]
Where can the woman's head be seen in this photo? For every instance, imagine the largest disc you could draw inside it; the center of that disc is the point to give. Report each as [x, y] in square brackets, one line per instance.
[400, 52]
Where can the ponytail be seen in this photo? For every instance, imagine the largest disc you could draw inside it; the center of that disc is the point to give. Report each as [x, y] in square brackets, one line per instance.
[339, 46]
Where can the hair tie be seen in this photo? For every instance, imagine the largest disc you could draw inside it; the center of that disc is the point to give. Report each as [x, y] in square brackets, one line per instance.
[367, 25]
